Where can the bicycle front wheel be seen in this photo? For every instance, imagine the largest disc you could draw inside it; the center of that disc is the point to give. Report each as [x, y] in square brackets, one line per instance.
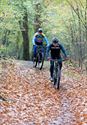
[58, 83]
[41, 61]
[35, 61]
[58, 78]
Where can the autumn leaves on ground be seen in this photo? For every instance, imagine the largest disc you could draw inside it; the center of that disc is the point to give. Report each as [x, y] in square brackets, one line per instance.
[27, 97]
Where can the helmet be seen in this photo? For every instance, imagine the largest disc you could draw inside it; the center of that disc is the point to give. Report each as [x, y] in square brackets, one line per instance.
[40, 30]
[55, 40]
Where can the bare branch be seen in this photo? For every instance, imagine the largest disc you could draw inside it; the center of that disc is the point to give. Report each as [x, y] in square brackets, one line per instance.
[75, 10]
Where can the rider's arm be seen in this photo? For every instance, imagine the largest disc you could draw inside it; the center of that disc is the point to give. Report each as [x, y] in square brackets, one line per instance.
[63, 50]
[33, 40]
[45, 39]
[34, 37]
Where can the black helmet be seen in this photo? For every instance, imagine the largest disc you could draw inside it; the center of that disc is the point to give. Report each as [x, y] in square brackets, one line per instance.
[55, 40]
[40, 30]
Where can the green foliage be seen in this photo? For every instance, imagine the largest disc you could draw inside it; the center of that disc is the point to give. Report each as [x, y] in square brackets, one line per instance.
[11, 12]
[58, 18]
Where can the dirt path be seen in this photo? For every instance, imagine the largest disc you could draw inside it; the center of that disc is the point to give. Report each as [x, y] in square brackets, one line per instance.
[32, 99]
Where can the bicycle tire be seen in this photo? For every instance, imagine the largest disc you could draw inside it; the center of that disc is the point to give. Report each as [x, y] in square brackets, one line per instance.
[35, 62]
[58, 78]
[58, 83]
[54, 76]
[55, 80]
[39, 61]
[40, 64]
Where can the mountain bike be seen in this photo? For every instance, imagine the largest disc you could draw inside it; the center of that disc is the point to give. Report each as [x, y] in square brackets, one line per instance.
[57, 72]
[39, 60]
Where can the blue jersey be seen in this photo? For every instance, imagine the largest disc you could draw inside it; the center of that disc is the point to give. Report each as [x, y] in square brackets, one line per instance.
[40, 39]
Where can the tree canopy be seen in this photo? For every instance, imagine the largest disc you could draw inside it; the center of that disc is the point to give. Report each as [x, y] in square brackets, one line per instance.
[65, 19]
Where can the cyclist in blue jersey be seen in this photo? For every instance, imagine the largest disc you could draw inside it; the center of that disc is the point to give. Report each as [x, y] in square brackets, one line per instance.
[39, 39]
[54, 49]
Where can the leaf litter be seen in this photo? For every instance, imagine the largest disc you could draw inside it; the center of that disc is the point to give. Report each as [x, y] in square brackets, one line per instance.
[29, 98]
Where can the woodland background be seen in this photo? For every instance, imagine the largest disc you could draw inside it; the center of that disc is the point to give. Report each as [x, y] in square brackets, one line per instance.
[66, 19]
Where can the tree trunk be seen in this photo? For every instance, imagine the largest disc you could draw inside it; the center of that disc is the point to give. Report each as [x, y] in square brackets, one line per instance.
[24, 30]
[86, 19]
[5, 37]
[37, 20]
[80, 39]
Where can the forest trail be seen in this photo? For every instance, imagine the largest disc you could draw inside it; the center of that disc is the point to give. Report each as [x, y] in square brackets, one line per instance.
[31, 99]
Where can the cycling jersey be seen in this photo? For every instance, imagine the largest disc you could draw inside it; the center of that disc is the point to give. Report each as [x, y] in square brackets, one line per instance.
[55, 51]
[39, 39]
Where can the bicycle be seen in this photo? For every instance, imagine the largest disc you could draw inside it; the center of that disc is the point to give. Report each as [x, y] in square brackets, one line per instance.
[57, 72]
[39, 60]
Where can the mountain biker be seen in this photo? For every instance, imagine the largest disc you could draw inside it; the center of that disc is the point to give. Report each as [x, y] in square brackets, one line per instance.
[54, 49]
[39, 39]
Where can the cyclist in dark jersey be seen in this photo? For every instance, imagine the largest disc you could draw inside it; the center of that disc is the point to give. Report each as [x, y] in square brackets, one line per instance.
[54, 49]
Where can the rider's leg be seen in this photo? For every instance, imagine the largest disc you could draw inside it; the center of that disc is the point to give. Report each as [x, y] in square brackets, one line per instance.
[51, 68]
[34, 50]
[42, 55]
